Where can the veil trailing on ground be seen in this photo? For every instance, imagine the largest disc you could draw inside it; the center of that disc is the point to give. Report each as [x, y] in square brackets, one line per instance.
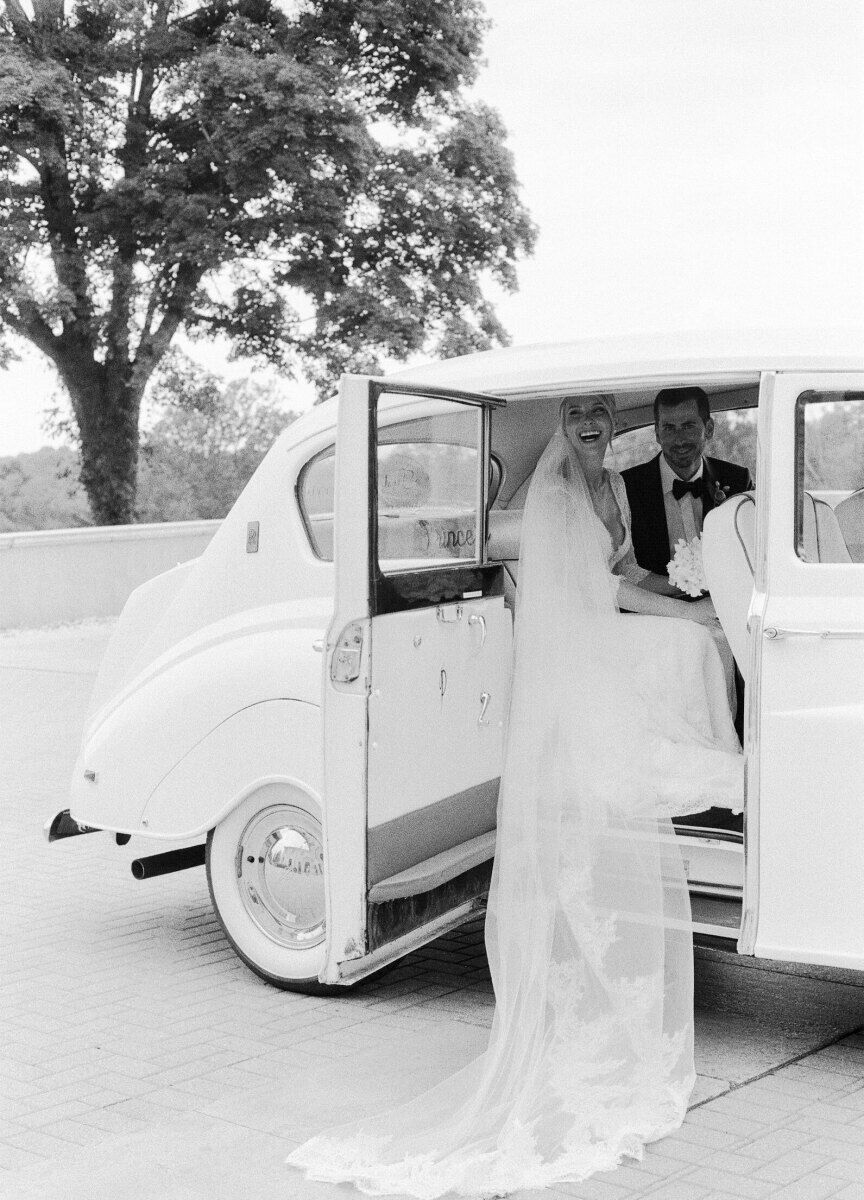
[590, 1054]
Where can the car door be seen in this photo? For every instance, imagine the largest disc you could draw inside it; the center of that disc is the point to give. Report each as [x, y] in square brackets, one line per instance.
[804, 893]
[417, 664]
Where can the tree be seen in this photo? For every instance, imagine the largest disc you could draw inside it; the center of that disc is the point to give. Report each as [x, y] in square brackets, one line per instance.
[39, 491]
[206, 441]
[309, 181]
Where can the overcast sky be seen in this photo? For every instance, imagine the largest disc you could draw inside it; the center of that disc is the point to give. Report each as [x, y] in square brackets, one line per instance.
[690, 164]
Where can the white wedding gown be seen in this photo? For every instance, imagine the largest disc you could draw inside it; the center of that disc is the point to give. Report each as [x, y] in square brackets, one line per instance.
[622, 562]
[616, 724]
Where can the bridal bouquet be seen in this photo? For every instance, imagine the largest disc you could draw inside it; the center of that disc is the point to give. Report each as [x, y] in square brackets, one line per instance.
[686, 571]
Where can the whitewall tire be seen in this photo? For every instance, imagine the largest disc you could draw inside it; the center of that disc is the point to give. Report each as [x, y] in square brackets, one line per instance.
[265, 871]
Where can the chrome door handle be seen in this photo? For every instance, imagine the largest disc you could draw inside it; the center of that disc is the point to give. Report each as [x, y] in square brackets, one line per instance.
[477, 619]
[485, 697]
[448, 613]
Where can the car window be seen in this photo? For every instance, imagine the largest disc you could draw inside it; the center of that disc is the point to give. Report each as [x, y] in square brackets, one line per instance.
[315, 496]
[829, 500]
[429, 490]
[734, 440]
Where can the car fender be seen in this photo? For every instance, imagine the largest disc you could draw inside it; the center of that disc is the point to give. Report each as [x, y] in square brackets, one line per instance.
[160, 721]
[278, 741]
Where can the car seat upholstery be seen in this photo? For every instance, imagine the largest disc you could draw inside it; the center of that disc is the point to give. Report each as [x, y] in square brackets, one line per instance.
[517, 500]
[821, 539]
[728, 554]
[728, 545]
[502, 545]
[850, 518]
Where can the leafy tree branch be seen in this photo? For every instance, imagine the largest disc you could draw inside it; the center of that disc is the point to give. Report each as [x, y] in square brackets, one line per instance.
[221, 166]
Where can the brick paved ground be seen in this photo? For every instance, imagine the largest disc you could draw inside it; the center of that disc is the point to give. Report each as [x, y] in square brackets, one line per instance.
[138, 1057]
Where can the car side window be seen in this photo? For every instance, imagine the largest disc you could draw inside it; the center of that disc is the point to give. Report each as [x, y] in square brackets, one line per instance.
[428, 489]
[829, 494]
[734, 440]
[632, 447]
[315, 498]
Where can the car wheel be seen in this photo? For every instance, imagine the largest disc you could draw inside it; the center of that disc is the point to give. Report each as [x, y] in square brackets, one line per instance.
[265, 871]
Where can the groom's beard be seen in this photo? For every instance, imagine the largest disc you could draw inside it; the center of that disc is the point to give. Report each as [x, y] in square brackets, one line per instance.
[686, 466]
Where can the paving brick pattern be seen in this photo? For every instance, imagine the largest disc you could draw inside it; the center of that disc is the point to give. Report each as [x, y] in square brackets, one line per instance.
[139, 1057]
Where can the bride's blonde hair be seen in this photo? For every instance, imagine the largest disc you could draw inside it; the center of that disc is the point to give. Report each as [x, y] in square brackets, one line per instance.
[605, 398]
[608, 402]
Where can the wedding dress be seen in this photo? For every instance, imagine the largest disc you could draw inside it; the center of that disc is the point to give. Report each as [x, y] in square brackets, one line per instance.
[622, 562]
[616, 724]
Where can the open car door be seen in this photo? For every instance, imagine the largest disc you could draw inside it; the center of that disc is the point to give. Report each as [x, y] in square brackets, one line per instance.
[804, 891]
[417, 670]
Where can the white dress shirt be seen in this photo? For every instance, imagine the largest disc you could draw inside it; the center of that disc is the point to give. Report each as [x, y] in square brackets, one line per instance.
[684, 516]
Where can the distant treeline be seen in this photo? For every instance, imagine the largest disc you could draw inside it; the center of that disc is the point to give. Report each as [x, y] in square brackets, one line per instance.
[41, 491]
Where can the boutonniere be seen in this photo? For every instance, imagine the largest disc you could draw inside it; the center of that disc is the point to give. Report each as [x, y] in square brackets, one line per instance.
[718, 493]
[713, 490]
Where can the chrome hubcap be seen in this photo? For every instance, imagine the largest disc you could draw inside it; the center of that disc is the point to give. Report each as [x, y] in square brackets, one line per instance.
[280, 874]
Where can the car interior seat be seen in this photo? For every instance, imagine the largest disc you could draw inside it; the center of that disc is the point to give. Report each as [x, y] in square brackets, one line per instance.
[728, 546]
[821, 539]
[502, 545]
[850, 518]
[728, 554]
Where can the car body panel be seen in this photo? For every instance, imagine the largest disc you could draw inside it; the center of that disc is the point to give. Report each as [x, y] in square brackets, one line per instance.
[177, 701]
[271, 741]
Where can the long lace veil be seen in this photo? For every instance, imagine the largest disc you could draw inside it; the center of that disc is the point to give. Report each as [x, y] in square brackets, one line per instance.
[588, 929]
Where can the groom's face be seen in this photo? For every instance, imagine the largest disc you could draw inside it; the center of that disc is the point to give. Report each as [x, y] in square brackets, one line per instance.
[682, 436]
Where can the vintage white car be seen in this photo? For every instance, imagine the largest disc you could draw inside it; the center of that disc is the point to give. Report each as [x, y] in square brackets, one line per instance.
[318, 702]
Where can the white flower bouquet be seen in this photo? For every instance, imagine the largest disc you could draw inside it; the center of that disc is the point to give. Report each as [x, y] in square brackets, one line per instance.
[686, 571]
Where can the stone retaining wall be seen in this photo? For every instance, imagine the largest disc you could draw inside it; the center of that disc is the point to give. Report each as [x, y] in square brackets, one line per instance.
[60, 575]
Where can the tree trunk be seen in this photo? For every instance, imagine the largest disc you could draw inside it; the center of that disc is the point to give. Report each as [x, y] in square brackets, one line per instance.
[106, 408]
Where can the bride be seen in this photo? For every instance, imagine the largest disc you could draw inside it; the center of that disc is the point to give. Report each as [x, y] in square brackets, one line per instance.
[617, 723]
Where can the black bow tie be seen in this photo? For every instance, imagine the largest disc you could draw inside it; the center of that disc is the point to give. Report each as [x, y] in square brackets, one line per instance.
[680, 487]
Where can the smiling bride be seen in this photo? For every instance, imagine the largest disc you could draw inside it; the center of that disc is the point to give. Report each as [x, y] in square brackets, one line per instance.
[617, 723]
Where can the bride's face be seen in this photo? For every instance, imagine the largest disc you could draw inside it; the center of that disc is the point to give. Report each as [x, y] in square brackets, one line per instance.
[588, 427]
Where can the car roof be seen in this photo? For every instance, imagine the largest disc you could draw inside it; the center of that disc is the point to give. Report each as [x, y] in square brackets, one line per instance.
[721, 359]
[728, 363]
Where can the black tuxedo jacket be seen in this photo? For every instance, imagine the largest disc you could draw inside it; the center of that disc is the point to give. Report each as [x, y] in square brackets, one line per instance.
[645, 497]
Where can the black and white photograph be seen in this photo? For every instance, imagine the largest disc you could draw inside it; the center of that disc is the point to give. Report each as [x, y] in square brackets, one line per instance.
[432, 599]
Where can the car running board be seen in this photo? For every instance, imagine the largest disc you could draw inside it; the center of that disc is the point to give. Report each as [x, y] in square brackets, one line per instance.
[434, 871]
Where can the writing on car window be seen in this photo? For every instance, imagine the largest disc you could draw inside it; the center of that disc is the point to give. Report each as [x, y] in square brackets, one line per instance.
[428, 489]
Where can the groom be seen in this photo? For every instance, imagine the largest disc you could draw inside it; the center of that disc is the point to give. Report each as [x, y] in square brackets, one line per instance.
[670, 494]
